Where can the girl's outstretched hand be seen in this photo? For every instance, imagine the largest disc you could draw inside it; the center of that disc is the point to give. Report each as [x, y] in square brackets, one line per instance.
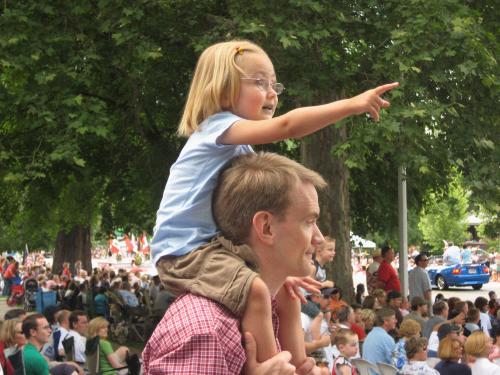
[293, 285]
[371, 101]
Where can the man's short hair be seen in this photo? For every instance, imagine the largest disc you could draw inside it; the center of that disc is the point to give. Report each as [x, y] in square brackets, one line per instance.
[416, 302]
[73, 317]
[382, 315]
[481, 303]
[14, 314]
[62, 315]
[343, 313]
[439, 307]
[29, 323]
[385, 250]
[419, 257]
[256, 182]
[393, 294]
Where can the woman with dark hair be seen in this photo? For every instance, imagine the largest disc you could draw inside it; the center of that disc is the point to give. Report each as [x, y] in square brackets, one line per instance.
[371, 303]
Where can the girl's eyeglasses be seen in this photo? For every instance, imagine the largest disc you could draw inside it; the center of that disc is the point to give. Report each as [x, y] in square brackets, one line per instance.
[264, 84]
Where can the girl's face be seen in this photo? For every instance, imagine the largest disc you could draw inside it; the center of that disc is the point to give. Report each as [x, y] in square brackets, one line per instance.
[457, 350]
[103, 332]
[19, 338]
[253, 102]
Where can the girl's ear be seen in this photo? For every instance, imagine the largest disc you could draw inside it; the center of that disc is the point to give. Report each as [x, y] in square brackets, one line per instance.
[261, 223]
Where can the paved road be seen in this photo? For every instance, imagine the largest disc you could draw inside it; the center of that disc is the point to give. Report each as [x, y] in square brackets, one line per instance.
[467, 293]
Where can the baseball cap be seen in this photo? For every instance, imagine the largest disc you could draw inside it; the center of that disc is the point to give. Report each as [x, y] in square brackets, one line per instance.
[327, 292]
[446, 329]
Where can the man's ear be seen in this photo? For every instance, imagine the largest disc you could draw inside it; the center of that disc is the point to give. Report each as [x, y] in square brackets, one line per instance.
[262, 227]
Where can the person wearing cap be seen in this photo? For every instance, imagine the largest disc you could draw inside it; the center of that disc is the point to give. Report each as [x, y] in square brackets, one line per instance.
[387, 276]
[444, 330]
[372, 271]
[418, 279]
[419, 309]
[317, 335]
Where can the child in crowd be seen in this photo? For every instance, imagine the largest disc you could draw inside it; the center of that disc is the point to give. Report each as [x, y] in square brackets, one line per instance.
[230, 105]
[347, 344]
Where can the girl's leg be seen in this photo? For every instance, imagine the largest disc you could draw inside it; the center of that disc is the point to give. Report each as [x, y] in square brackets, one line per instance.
[291, 337]
[257, 319]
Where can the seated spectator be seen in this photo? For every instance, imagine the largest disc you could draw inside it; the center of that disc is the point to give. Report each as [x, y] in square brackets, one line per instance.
[11, 340]
[495, 353]
[60, 334]
[368, 318]
[416, 352]
[154, 288]
[450, 352]
[336, 300]
[379, 345]
[478, 347]
[101, 305]
[12, 336]
[381, 296]
[18, 314]
[472, 322]
[440, 314]
[347, 344]
[357, 326]
[371, 303]
[409, 328]
[162, 301]
[78, 323]
[405, 307]
[394, 301]
[481, 304]
[419, 309]
[360, 293]
[129, 298]
[109, 359]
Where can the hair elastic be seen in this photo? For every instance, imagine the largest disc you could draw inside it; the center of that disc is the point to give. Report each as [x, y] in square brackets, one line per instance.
[239, 50]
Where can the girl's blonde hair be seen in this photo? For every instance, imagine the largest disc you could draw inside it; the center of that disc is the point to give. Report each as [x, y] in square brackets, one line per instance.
[8, 332]
[95, 325]
[476, 344]
[215, 83]
[409, 328]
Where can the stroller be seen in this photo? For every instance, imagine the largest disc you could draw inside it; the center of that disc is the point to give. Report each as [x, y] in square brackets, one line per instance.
[16, 295]
[30, 288]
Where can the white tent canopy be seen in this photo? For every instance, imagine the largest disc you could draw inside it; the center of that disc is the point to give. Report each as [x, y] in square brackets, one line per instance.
[359, 242]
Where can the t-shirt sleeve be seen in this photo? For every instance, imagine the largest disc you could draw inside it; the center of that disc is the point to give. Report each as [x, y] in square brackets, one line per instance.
[106, 347]
[383, 273]
[218, 125]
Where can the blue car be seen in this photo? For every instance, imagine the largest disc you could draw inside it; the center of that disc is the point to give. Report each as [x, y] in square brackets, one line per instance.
[474, 275]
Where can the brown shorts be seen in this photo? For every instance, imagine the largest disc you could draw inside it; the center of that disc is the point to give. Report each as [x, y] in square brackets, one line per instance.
[218, 270]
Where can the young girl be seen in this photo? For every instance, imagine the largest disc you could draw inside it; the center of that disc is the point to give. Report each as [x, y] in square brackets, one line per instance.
[230, 105]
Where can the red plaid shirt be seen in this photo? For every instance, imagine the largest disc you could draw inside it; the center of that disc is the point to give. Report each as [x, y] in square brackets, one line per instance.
[197, 336]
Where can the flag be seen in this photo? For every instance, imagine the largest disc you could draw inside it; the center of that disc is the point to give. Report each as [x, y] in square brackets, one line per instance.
[128, 243]
[112, 247]
[25, 254]
[144, 244]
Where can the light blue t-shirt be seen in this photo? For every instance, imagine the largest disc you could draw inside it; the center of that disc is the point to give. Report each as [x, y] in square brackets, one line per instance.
[184, 220]
[378, 346]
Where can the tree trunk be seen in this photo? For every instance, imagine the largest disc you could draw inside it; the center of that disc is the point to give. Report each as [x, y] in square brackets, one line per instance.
[334, 201]
[71, 247]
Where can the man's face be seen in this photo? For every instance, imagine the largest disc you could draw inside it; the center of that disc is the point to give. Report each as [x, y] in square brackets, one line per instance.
[389, 255]
[81, 325]
[424, 309]
[390, 323]
[396, 302]
[42, 332]
[424, 261]
[296, 235]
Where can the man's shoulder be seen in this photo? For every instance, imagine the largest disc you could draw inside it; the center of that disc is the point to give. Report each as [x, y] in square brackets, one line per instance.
[195, 315]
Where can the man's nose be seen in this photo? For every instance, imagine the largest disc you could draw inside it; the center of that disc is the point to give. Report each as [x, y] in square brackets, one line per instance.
[317, 238]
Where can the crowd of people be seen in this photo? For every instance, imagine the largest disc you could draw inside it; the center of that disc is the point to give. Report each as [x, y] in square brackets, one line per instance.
[101, 304]
[415, 334]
